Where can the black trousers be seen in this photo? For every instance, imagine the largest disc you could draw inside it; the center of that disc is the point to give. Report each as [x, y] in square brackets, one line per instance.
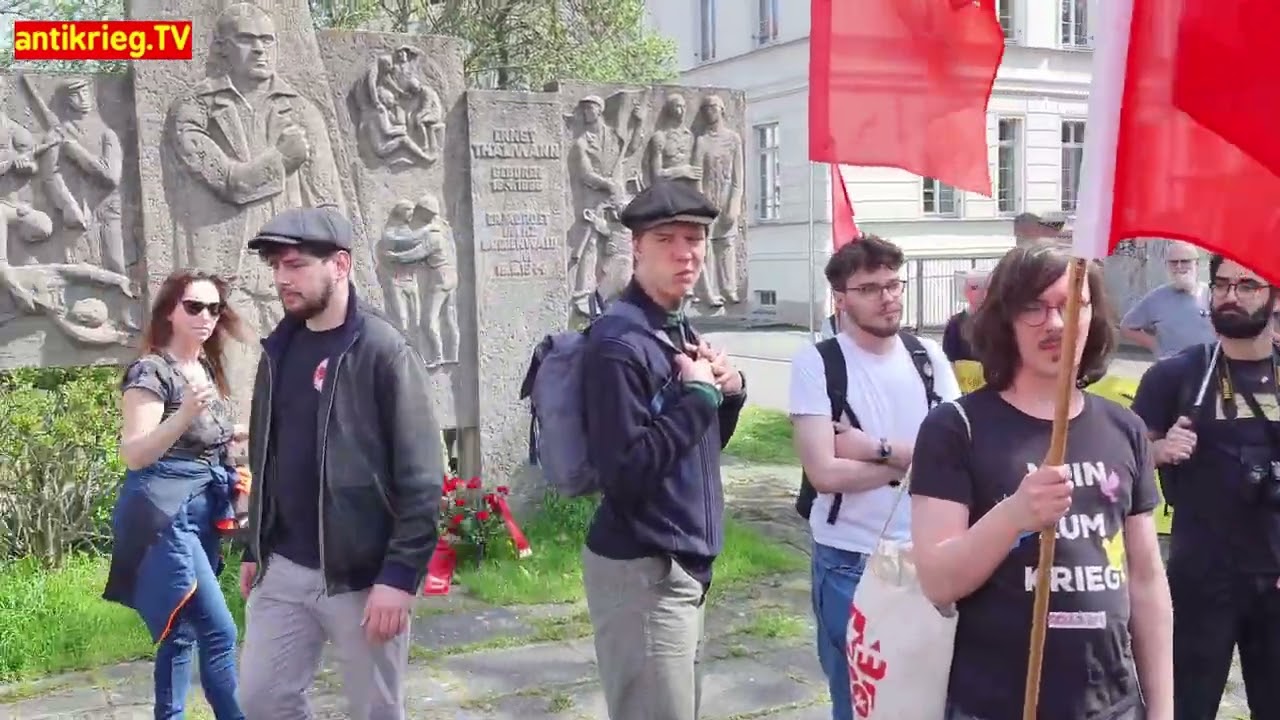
[1215, 612]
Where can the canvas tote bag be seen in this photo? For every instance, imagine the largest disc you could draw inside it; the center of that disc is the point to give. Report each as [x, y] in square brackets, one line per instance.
[899, 644]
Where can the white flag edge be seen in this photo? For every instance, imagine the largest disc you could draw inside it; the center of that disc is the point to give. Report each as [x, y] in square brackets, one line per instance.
[1091, 230]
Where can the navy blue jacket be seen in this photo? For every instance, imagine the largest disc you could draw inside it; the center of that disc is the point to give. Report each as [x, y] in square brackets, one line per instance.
[656, 443]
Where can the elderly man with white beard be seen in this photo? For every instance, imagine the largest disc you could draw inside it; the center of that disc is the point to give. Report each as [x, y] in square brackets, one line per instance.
[1175, 315]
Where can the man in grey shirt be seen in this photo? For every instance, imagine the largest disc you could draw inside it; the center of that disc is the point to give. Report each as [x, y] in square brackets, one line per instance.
[1175, 315]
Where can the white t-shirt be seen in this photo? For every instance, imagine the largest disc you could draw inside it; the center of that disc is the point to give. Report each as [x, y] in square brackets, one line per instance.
[887, 395]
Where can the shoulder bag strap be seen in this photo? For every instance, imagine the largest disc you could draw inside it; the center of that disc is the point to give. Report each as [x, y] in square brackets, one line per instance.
[906, 481]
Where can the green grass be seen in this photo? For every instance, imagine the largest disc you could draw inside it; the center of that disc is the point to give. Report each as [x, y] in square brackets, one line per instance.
[56, 621]
[553, 574]
[763, 436]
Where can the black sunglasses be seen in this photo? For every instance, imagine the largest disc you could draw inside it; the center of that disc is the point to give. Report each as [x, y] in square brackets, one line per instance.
[195, 307]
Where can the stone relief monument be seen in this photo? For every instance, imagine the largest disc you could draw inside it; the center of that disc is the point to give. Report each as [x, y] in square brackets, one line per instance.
[400, 116]
[418, 251]
[69, 287]
[247, 142]
[483, 219]
[621, 139]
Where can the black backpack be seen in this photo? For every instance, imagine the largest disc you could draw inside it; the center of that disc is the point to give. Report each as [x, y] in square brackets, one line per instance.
[837, 388]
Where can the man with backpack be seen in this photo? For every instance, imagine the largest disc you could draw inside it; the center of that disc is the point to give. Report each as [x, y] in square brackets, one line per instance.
[658, 405]
[857, 401]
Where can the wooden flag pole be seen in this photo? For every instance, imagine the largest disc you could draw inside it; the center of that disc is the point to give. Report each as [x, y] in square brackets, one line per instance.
[1076, 274]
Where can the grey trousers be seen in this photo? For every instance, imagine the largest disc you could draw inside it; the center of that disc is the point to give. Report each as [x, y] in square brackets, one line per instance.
[287, 621]
[647, 615]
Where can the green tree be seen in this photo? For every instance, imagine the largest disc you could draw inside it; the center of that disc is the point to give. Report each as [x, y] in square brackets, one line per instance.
[524, 44]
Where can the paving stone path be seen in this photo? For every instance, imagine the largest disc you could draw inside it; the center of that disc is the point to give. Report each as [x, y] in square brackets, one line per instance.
[476, 662]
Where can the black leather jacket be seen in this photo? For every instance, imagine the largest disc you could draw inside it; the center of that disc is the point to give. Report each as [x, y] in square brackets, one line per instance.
[381, 458]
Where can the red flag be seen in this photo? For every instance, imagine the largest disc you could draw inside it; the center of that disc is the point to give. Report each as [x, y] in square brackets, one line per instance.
[1198, 157]
[904, 83]
[843, 229]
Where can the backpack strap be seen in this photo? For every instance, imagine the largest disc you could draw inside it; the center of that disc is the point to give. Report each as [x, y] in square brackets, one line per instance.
[924, 366]
[837, 378]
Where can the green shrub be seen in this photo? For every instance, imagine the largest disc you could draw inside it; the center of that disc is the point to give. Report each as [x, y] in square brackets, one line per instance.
[59, 461]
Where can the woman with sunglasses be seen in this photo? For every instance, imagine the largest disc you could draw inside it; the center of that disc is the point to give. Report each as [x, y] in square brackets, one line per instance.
[176, 443]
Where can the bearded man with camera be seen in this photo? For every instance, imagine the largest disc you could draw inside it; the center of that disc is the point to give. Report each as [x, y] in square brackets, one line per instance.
[1213, 412]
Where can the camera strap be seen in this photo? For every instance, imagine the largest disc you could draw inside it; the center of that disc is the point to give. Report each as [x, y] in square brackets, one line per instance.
[1227, 389]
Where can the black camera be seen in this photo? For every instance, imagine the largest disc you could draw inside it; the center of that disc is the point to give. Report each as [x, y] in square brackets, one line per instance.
[1264, 481]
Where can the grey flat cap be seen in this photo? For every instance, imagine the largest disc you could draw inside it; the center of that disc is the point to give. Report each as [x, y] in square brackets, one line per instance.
[321, 225]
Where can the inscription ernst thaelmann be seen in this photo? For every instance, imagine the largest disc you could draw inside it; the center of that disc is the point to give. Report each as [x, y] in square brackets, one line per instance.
[512, 144]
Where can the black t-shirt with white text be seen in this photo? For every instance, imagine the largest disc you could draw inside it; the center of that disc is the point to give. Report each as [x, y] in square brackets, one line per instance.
[1088, 671]
[1219, 524]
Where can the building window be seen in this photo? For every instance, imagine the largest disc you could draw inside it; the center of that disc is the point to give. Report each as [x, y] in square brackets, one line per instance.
[1009, 165]
[707, 23]
[1075, 23]
[767, 298]
[940, 199]
[768, 14]
[1072, 157]
[1004, 11]
[769, 171]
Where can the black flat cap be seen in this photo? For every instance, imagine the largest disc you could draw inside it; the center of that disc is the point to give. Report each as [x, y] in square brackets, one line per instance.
[321, 225]
[668, 201]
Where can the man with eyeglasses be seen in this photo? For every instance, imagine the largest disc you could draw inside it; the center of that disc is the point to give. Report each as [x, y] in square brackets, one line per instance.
[1174, 316]
[856, 402]
[1213, 412]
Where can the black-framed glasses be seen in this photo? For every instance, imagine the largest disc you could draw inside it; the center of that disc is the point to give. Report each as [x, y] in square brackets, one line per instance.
[893, 289]
[195, 307]
[1036, 314]
[1244, 288]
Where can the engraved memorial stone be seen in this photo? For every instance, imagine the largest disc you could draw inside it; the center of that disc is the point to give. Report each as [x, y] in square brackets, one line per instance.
[521, 278]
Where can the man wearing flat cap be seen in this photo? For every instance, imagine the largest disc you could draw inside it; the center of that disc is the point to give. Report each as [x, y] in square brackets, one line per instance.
[660, 404]
[346, 454]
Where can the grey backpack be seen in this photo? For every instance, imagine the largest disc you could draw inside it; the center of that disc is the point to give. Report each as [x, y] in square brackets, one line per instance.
[557, 426]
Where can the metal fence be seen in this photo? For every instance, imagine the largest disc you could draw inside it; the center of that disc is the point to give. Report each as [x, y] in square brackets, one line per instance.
[933, 291]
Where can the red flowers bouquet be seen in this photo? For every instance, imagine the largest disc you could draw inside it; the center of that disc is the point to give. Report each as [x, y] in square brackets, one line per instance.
[472, 519]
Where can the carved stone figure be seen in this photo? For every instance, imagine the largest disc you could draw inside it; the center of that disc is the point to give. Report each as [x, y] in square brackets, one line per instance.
[597, 159]
[401, 116]
[669, 155]
[81, 164]
[250, 141]
[718, 150]
[42, 288]
[613, 251]
[418, 254]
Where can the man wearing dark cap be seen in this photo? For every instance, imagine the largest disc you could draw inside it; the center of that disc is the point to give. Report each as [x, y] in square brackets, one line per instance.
[346, 455]
[660, 405]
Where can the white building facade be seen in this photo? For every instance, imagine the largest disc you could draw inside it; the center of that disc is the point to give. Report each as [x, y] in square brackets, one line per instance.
[1035, 134]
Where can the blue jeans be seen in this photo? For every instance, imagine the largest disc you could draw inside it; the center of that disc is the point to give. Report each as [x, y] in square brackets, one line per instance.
[835, 576]
[203, 627]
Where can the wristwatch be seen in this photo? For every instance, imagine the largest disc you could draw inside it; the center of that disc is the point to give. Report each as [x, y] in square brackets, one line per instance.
[884, 452]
